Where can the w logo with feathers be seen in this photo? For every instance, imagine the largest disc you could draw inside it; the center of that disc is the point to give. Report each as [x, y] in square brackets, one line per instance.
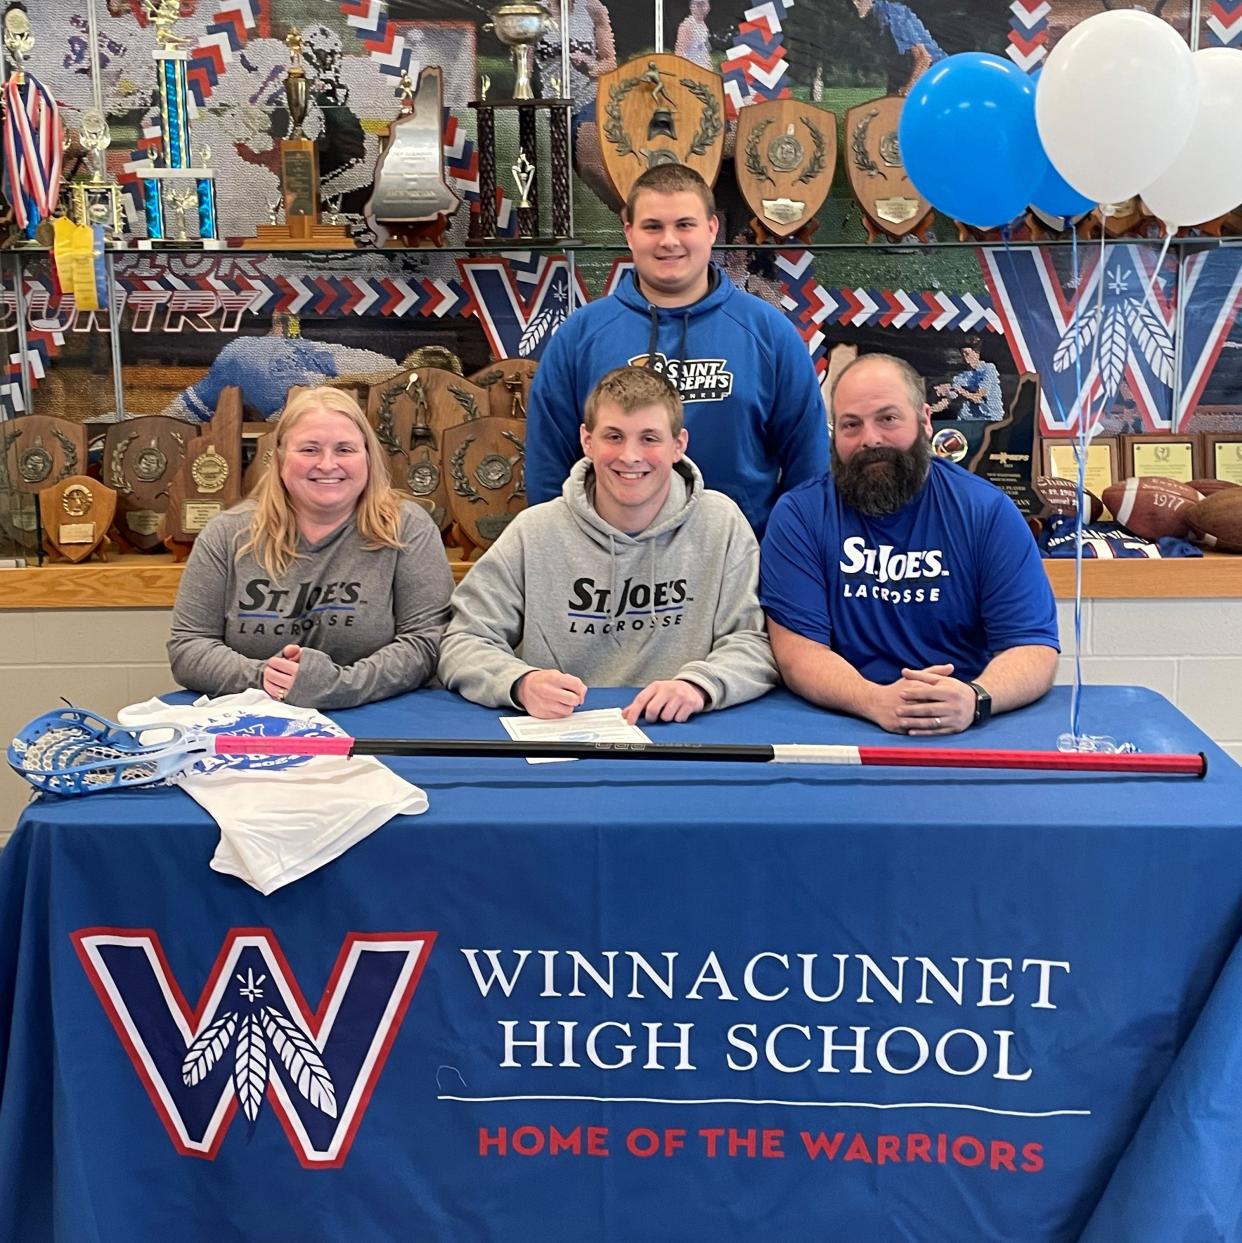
[1084, 343]
[252, 1040]
[248, 1031]
[519, 323]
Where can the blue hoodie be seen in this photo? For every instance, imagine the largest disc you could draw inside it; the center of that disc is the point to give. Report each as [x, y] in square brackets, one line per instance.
[753, 407]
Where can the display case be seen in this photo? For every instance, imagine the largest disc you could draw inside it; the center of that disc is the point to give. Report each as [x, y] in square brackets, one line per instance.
[184, 321]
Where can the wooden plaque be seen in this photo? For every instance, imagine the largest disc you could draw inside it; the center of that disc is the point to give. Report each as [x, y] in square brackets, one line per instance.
[785, 155]
[659, 109]
[264, 448]
[508, 382]
[1103, 462]
[1165, 454]
[37, 450]
[141, 457]
[76, 513]
[208, 483]
[486, 464]
[410, 413]
[878, 177]
[1222, 457]
[225, 427]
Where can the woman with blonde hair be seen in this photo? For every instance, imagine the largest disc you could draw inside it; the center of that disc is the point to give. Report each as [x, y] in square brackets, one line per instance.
[326, 588]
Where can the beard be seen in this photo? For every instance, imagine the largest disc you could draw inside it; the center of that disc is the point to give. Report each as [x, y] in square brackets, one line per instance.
[880, 481]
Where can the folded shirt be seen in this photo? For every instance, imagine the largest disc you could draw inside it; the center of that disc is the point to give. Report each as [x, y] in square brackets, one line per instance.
[280, 817]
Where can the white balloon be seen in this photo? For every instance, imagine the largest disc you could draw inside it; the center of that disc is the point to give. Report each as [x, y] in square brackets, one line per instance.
[1115, 103]
[1205, 179]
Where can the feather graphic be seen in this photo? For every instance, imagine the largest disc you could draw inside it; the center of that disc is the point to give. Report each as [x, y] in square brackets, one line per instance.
[1075, 340]
[1152, 337]
[538, 328]
[301, 1059]
[250, 1067]
[1114, 353]
[205, 1052]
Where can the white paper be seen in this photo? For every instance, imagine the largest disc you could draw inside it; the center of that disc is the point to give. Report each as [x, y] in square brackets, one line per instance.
[600, 725]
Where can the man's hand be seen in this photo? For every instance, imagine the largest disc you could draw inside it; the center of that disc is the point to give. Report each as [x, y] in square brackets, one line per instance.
[280, 671]
[932, 701]
[673, 700]
[549, 693]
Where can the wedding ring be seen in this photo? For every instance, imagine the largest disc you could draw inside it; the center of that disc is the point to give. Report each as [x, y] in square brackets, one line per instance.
[935, 718]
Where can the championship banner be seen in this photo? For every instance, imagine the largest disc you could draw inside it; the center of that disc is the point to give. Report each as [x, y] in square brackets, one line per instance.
[1083, 353]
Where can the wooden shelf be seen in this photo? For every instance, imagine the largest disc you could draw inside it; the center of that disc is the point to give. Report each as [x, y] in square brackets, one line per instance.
[150, 582]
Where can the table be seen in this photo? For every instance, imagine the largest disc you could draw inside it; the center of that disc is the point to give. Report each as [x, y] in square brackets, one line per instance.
[744, 1003]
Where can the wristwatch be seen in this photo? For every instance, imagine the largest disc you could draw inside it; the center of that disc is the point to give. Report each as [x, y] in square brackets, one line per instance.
[983, 704]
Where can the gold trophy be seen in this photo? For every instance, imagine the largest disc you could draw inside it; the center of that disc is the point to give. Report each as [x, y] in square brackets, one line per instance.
[299, 176]
[519, 25]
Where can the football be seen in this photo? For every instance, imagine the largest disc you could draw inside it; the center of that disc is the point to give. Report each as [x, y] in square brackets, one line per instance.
[1209, 486]
[1217, 521]
[1060, 496]
[1152, 506]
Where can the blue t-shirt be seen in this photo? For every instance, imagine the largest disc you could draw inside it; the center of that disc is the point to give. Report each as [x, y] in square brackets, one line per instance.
[953, 577]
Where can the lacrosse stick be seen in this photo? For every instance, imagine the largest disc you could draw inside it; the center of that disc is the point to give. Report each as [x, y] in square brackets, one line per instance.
[72, 751]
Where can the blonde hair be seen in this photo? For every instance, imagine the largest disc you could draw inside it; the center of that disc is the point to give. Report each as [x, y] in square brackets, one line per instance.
[274, 528]
[633, 388]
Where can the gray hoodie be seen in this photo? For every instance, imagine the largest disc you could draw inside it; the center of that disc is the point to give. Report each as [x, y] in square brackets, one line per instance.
[561, 589]
[368, 620]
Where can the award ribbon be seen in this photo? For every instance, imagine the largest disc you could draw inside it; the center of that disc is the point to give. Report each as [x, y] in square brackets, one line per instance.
[78, 251]
[32, 149]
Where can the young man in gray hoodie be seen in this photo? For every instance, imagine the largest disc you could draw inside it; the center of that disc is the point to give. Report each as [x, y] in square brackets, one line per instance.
[636, 575]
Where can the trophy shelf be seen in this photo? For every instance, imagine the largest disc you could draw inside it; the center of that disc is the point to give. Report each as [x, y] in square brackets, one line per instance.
[135, 580]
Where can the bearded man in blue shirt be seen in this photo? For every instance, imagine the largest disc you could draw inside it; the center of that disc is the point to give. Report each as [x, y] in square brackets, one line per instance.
[900, 587]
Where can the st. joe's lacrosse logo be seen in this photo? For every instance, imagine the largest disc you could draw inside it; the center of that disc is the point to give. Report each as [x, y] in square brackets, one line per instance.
[252, 1039]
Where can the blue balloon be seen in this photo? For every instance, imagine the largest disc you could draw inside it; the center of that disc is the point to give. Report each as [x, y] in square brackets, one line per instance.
[1054, 196]
[969, 141]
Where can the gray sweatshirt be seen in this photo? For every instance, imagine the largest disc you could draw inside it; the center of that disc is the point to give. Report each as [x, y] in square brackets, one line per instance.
[561, 589]
[369, 620]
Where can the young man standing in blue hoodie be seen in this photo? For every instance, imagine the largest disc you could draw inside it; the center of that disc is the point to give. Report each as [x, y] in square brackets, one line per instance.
[636, 575]
[751, 396]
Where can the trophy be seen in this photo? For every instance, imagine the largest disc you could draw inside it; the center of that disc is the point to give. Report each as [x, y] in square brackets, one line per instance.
[299, 175]
[411, 197]
[179, 182]
[519, 25]
[97, 199]
[31, 136]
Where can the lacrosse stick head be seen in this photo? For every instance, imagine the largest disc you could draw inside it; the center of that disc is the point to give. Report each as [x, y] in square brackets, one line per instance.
[72, 751]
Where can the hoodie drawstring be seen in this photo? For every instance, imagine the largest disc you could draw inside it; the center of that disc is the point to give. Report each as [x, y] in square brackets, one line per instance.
[653, 338]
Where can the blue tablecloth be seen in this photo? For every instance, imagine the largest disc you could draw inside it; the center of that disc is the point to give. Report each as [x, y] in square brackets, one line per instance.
[639, 1001]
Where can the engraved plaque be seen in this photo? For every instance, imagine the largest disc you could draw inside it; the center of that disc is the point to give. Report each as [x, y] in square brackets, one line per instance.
[37, 450]
[785, 155]
[140, 458]
[409, 179]
[76, 514]
[195, 515]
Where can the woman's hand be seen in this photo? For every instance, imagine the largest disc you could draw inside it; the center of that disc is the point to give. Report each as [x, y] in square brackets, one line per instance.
[280, 671]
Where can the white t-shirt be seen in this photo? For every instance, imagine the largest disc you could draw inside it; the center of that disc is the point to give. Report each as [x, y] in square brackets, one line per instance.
[280, 817]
